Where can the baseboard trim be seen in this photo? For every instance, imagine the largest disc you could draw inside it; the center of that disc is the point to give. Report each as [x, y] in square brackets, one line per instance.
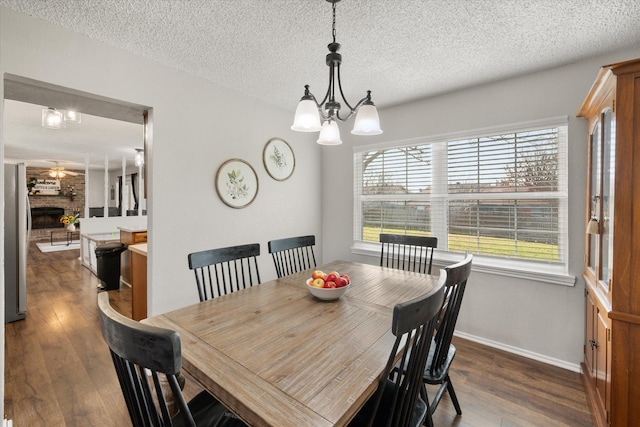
[521, 352]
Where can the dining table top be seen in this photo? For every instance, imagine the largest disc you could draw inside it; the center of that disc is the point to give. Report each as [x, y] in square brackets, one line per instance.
[277, 356]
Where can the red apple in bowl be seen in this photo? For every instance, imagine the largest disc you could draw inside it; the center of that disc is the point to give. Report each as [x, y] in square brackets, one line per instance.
[331, 277]
[341, 282]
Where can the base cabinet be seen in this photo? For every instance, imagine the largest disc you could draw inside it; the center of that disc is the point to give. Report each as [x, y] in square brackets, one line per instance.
[138, 281]
[129, 237]
[88, 244]
[597, 354]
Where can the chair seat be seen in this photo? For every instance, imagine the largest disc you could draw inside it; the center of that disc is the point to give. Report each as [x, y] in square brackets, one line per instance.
[438, 375]
[208, 412]
[383, 414]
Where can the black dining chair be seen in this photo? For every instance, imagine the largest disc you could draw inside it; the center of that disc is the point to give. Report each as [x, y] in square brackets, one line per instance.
[224, 270]
[397, 401]
[442, 350]
[293, 254]
[412, 253]
[147, 360]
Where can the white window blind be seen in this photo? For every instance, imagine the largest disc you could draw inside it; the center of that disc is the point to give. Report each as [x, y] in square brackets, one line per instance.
[497, 194]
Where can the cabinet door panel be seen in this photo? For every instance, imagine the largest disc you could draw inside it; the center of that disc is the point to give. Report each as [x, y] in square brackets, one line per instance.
[590, 339]
[601, 374]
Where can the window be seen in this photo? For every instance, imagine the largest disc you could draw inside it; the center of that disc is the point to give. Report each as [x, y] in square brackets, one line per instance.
[499, 193]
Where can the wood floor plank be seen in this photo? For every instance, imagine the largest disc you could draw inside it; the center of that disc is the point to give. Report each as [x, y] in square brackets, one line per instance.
[523, 392]
[58, 371]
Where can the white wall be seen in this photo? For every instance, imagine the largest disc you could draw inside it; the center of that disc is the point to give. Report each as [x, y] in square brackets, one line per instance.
[96, 186]
[95, 190]
[197, 125]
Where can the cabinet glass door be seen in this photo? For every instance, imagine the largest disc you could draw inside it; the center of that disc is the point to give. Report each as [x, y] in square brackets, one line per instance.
[594, 196]
[608, 170]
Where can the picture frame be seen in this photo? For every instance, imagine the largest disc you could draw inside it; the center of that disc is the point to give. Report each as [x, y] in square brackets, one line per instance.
[236, 183]
[278, 158]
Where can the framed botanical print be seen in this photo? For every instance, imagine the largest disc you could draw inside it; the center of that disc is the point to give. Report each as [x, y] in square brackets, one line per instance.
[278, 159]
[236, 183]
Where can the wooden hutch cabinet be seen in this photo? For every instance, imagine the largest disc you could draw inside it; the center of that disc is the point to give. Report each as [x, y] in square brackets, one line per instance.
[611, 367]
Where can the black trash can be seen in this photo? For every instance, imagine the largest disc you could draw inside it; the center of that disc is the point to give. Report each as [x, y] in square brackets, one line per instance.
[108, 258]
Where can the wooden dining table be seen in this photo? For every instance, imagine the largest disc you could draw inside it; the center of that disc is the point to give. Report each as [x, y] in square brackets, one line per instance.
[277, 356]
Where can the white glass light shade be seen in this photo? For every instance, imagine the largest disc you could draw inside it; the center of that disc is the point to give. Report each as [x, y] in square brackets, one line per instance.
[72, 116]
[52, 119]
[307, 118]
[139, 160]
[367, 121]
[329, 134]
[57, 174]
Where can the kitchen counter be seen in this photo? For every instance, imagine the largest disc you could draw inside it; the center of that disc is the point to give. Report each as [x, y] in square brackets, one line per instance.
[113, 236]
[140, 249]
[133, 229]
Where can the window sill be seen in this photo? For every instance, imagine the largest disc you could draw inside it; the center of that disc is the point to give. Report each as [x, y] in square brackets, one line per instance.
[536, 271]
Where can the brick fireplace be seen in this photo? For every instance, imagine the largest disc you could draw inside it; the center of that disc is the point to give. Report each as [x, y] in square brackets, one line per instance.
[46, 209]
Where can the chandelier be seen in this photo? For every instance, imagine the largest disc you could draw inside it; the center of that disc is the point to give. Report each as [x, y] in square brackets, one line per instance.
[56, 119]
[52, 118]
[309, 110]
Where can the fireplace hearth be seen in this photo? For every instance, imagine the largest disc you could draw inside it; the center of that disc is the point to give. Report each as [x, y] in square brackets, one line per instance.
[46, 217]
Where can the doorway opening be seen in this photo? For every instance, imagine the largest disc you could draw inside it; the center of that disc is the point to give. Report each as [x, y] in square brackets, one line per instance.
[92, 162]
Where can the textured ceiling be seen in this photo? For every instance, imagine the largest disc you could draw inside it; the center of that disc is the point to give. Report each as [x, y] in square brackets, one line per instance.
[401, 50]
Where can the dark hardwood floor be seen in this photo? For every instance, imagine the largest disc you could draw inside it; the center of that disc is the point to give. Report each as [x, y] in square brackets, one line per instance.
[58, 369]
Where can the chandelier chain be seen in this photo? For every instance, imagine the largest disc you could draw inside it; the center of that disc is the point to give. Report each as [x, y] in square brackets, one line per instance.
[333, 32]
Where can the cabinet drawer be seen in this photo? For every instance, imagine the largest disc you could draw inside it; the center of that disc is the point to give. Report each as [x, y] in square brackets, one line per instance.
[131, 238]
[140, 237]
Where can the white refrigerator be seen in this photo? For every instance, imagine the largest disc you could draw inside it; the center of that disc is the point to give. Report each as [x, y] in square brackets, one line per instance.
[17, 226]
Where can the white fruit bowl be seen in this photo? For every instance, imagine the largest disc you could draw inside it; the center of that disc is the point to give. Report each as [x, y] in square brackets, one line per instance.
[326, 294]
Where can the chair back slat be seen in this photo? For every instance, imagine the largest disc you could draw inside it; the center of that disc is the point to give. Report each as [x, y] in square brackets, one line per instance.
[413, 325]
[457, 276]
[411, 253]
[142, 355]
[293, 254]
[224, 270]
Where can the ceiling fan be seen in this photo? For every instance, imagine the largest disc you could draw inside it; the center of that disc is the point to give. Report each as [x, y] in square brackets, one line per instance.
[58, 172]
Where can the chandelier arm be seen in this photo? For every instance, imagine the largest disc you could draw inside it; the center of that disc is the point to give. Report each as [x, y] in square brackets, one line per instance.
[323, 115]
[343, 119]
[326, 96]
[354, 109]
[351, 109]
[362, 101]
